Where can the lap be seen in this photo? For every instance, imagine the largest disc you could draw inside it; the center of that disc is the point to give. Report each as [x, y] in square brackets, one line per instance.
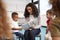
[18, 34]
[33, 32]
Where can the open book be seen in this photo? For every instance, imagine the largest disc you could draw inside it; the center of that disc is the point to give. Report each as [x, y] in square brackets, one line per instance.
[25, 26]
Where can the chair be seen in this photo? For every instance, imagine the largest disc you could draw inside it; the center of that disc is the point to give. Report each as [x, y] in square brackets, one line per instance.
[18, 37]
[39, 35]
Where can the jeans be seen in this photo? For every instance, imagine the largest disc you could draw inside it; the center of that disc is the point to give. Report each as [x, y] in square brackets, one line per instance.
[30, 34]
[19, 34]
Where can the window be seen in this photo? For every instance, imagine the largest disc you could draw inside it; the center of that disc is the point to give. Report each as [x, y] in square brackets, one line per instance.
[37, 3]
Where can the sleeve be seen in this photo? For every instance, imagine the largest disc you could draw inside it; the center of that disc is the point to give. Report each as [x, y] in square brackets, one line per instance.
[31, 23]
[34, 22]
[27, 25]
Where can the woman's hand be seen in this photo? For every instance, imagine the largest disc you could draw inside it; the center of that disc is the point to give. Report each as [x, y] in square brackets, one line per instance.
[31, 27]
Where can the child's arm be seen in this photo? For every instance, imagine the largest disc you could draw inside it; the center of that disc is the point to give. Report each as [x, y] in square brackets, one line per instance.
[47, 29]
[20, 28]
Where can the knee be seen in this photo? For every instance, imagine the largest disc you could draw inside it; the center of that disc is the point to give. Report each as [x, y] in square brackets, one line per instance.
[31, 32]
[26, 33]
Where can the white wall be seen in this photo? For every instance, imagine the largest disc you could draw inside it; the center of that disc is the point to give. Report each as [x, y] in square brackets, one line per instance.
[44, 6]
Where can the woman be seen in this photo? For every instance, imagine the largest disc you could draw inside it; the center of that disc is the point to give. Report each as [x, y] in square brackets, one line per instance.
[5, 32]
[55, 23]
[32, 22]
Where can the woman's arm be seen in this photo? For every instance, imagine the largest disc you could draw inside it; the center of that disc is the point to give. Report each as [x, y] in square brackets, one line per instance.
[31, 23]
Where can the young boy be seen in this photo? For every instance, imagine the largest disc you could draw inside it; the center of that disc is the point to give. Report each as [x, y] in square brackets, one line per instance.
[49, 16]
[15, 27]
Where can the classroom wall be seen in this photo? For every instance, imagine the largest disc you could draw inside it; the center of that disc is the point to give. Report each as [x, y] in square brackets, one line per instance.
[19, 7]
[44, 6]
[16, 6]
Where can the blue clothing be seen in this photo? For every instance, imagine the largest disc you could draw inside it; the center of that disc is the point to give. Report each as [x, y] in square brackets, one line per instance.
[30, 34]
[19, 34]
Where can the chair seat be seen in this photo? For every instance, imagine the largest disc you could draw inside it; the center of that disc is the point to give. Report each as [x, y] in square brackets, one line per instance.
[39, 35]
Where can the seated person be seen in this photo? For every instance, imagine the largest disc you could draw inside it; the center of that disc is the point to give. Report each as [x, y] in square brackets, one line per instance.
[32, 24]
[15, 27]
[49, 16]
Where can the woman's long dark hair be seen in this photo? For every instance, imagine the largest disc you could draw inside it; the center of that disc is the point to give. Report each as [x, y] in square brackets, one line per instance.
[35, 12]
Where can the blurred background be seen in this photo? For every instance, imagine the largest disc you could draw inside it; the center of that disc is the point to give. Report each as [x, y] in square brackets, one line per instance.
[19, 7]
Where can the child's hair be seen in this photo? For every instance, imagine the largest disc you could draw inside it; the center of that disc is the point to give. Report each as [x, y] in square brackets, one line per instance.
[14, 13]
[55, 6]
[5, 30]
[49, 12]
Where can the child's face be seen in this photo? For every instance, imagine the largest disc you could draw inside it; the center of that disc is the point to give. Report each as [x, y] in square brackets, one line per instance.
[15, 17]
[48, 16]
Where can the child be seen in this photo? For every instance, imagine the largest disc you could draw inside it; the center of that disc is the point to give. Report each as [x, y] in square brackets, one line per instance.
[55, 23]
[14, 24]
[5, 30]
[49, 16]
